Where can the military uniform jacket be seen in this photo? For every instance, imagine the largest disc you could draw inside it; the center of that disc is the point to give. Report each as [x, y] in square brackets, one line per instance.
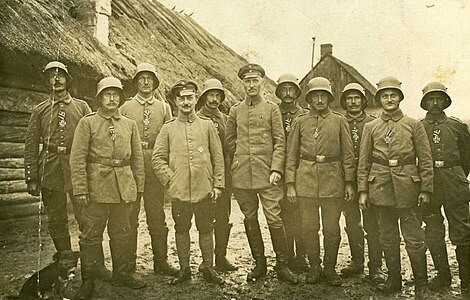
[53, 125]
[150, 116]
[450, 146]
[325, 134]
[401, 138]
[288, 115]
[106, 159]
[356, 127]
[255, 143]
[188, 158]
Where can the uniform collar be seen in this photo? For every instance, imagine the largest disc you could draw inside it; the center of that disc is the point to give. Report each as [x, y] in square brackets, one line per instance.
[66, 99]
[142, 100]
[187, 118]
[358, 118]
[253, 101]
[440, 118]
[324, 113]
[289, 108]
[107, 115]
[395, 116]
[209, 112]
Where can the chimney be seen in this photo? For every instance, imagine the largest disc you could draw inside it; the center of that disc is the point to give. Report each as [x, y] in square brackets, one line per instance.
[326, 49]
[96, 15]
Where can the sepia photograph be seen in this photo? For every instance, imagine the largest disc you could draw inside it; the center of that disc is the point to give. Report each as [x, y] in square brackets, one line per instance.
[258, 150]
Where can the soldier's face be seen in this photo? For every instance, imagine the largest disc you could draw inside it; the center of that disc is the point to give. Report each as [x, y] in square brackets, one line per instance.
[390, 99]
[57, 80]
[288, 92]
[186, 103]
[110, 98]
[318, 100]
[252, 86]
[353, 102]
[213, 99]
[145, 83]
[435, 102]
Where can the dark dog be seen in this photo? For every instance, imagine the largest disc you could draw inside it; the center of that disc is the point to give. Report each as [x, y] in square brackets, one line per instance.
[53, 279]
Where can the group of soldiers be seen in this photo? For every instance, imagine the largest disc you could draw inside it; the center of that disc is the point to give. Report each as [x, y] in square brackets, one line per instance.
[378, 171]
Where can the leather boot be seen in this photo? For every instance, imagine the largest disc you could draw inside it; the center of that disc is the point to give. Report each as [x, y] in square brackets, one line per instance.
[393, 282]
[278, 238]
[356, 244]
[183, 247]
[160, 254]
[312, 247]
[255, 240]
[87, 260]
[463, 258]
[62, 244]
[329, 262]
[441, 263]
[123, 272]
[206, 244]
[101, 271]
[376, 274]
[222, 234]
[420, 269]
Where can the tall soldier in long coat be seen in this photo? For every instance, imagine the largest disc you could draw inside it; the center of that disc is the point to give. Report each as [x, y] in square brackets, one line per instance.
[150, 114]
[320, 173]
[107, 178]
[354, 102]
[450, 145]
[390, 180]
[288, 91]
[255, 144]
[189, 162]
[207, 106]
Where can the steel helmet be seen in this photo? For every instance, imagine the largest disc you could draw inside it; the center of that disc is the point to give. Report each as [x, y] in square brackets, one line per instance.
[183, 84]
[146, 67]
[285, 78]
[435, 87]
[58, 65]
[319, 84]
[209, 85]
[353, 87]
[110, 82]
[388, 83]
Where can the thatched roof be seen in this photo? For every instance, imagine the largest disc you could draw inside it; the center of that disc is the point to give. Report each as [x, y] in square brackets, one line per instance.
[33, 33]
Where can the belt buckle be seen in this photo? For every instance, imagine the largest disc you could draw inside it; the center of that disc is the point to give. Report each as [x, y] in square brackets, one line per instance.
[320, 158]
[116, 162]
[145, 145]
[439, 164]
[61, 149]
[393, 162]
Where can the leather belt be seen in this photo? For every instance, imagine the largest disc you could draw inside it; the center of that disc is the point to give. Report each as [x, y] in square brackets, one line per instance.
[147, 145]
[438, 164]
[393, 162]
[109, 161]
[58, 149]
[320, 158]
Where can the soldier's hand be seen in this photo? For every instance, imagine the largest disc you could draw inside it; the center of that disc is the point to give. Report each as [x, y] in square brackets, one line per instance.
[291, 193]
[82, 199]
[216, 193]
[423, 199]
[139, 196]
[363, 200]
[33, 188]
[274, 178]
[348, 191]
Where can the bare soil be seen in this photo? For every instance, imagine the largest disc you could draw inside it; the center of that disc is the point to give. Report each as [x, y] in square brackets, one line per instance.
[24, 249]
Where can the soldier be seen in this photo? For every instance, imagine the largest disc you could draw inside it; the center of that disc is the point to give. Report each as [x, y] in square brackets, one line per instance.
[188, 161]
[288, 90]
[450, 145]
[107, 177]
[255, 144]
[212, 96]
[354, 101]
[150, 114]
[319, 145]
[53, 123]
[394, 185]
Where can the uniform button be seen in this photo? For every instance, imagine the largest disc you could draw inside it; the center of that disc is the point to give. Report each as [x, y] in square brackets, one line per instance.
[190, 158]
[29, 178]
[191, 152]
[61, 136]
[29, 172]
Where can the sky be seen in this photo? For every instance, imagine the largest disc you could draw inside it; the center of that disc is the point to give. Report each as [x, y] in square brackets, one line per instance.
[416, 41]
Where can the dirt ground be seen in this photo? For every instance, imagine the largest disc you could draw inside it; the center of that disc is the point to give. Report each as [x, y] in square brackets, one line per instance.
[24, 249]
